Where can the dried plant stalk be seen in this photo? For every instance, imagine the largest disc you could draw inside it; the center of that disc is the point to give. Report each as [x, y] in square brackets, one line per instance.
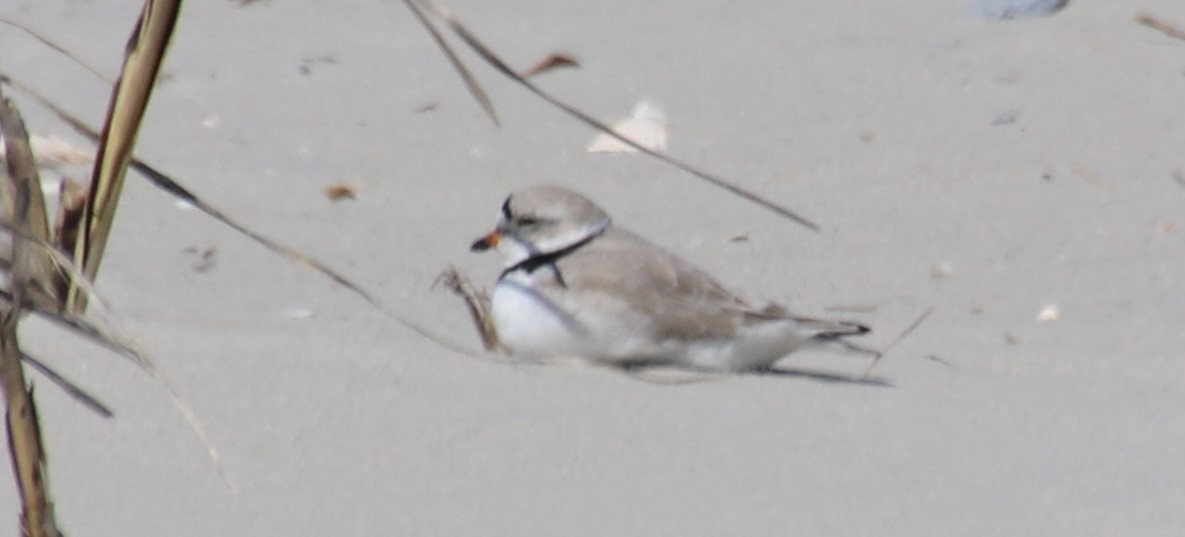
[29, 463]
[422, 7]
[142, 59]
[478, 304]
[24, 208]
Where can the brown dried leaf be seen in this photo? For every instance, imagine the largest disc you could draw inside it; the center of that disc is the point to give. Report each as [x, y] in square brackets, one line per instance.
[340, 192]
[553, 61]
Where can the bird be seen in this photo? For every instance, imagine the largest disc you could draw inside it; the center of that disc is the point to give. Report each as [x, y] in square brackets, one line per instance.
[575, 285]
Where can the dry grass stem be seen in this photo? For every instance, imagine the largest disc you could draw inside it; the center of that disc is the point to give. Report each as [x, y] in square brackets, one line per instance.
[478, 304]
[1156, 23]
[142, 59]
[502, 67]
[904, 333]
[470, 82]
[70, 387]
[30, 272]
[49, 43]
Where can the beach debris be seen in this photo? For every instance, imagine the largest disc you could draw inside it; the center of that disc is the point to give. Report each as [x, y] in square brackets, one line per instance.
[936, 358]
[307, 63]
[1156, 23]
[422, 9]
[426, 107]
[555, 60]
[1005, 118]
[1049, 314]
[1011, 339]
[739, 238]
[941, 271]
[1089, 176]
[647, 127]
[476, 301]
[900, 337]
[206, 258]
[71, 204]
[338, 192]
[1179, 177]
[212, 121]
[1013, 9]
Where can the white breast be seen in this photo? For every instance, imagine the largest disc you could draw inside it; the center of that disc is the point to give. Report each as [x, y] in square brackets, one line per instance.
[530, 325]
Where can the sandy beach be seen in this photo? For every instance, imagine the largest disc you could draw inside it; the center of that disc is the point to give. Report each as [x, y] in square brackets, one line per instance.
[988, 170]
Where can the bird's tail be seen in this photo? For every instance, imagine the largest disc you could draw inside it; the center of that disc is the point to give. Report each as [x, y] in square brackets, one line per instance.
[835, 333]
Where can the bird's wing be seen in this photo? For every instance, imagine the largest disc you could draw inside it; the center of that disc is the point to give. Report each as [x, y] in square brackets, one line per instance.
[676, 298]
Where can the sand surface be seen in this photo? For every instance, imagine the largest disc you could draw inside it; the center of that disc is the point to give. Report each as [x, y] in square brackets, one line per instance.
[1034, 158]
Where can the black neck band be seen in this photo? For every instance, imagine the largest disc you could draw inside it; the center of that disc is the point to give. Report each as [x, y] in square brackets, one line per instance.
[532, 263]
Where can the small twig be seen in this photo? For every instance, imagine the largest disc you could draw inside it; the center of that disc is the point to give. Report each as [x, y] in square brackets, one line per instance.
[47, 42]
[470, 82]
[908, 330]
[936, 358]
[73, 390]
[1155, 23]
[164, 182]
[502, 67]
[478, 304]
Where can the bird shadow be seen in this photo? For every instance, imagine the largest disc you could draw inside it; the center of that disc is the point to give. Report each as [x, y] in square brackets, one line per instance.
[662, 373]
[824, 376]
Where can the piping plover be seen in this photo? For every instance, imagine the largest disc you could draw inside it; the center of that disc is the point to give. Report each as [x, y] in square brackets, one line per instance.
[576, 286]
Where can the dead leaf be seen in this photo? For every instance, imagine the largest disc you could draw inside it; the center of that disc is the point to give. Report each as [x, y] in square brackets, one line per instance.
[555, 60]
[340, 192]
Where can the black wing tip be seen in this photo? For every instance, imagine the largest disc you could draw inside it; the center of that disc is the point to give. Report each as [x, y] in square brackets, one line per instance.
[850, 330]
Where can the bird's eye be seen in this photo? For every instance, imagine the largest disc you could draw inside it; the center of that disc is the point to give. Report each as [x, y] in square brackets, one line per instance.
[527, 221]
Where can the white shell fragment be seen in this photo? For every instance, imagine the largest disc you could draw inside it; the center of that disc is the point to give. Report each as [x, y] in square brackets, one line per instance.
[647, 127]
[941, 270]
[1013, 9]
[1049, 314]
